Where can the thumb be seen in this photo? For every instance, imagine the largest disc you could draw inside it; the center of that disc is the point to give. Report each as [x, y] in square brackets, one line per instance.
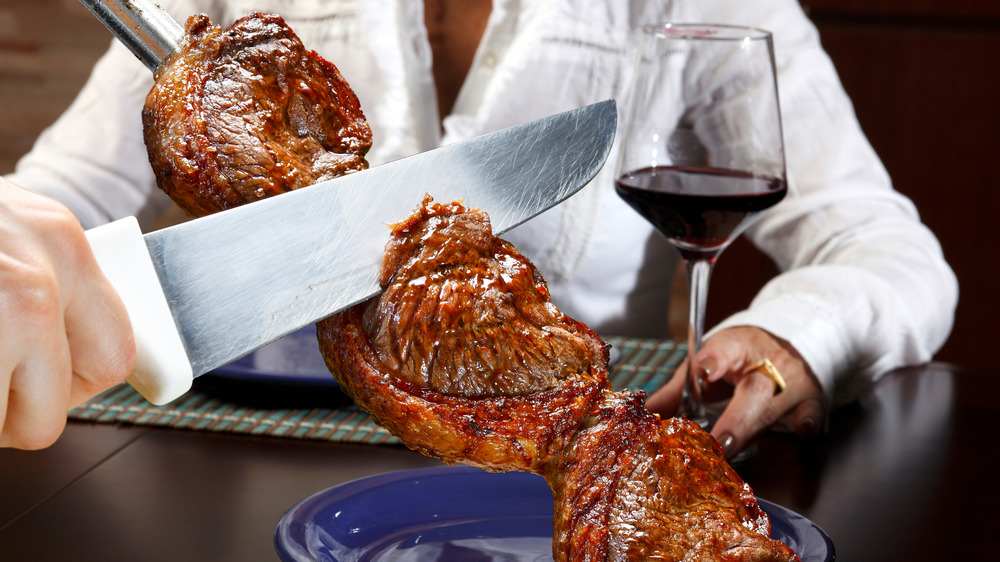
[807, 418]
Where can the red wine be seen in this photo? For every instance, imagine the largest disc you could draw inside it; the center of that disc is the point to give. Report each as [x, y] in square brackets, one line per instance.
[700, 210]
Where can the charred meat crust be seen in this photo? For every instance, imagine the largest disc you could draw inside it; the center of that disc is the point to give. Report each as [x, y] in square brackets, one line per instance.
[498, 433]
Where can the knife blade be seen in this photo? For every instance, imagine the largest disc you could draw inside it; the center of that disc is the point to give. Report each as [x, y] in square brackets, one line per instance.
[208, 291]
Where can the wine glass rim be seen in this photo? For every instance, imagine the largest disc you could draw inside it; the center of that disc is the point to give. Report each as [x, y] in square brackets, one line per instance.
[706, 31]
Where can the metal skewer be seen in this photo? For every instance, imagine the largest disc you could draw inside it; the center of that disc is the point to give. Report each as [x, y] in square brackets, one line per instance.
[141, 25]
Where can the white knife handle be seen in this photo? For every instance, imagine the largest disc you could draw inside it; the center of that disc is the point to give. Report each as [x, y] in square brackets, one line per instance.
[162, 370]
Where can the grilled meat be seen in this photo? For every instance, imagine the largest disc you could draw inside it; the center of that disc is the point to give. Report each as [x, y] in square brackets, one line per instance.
[248, 112]
[463, 356]
[632, 487]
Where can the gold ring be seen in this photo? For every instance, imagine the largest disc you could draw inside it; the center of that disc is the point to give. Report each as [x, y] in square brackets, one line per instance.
[765, 366]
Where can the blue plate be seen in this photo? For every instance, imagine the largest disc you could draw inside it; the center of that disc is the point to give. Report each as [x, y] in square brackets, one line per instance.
[294, 358]
[454, 514]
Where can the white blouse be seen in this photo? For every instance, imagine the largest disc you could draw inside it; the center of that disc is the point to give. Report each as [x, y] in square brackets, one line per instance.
[864, 287]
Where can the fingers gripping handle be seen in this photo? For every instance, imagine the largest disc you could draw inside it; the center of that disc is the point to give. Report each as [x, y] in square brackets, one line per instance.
[162, 371]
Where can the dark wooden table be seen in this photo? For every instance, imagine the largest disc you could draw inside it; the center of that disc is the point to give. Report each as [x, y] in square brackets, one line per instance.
[903, 474]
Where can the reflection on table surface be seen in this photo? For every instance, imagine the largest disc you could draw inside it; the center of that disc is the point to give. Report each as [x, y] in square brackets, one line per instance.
[900, 475]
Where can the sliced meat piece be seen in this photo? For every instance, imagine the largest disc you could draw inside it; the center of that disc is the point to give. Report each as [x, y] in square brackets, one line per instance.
[244, 113]
[463, 356]
[464, 313]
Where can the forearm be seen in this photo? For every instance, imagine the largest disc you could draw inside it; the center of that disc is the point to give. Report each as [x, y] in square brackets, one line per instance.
[852, 324]
[865, 287]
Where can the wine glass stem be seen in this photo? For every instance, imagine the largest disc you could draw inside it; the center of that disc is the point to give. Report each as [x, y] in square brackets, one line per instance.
[698, 271]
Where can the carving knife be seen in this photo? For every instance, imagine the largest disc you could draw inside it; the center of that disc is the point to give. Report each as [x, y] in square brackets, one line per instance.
[211, 290]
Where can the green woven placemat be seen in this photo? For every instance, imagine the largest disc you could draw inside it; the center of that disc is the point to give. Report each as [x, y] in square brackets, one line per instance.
[641, 364]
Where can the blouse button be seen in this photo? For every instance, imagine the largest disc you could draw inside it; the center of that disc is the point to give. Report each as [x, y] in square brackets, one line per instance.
[490, 60]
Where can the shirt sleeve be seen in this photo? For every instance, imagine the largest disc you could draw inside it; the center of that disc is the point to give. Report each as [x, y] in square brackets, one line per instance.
[93, 158]
[865, 287]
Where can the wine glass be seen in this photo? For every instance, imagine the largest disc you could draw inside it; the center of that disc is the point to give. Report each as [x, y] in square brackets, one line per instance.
[701, 151]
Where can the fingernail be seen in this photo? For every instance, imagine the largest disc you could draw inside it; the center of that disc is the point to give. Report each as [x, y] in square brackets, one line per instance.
[727, 441]
[807, 428]
[708, 367]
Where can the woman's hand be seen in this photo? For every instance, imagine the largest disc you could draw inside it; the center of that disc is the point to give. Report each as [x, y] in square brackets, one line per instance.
[753, 406]
[64, 333]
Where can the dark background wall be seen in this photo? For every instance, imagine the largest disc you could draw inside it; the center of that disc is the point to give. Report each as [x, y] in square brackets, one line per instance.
[924, 76]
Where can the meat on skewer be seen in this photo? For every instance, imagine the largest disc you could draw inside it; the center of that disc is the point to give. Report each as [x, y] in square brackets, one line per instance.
[248, 112]
[463, 356]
